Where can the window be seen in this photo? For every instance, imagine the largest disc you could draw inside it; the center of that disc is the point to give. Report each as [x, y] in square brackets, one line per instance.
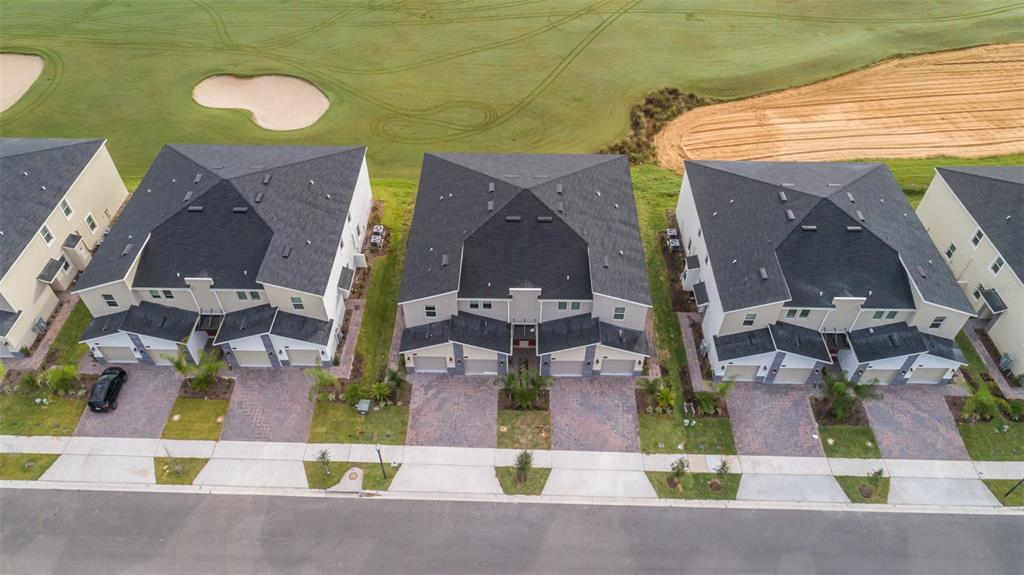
[878, 315]
[65, 208]
[109, 299]
[563, 305]
[804, 313]
[168, 294]
[297, 303]
[254, 295]
[474, 305]
[154, 293]
[976, 238]
[430, 311]
[89, 221]
[950, 251]
[937, 322]
[619, 313]
[996, 265]
[890, 315]
[487, 305]
[977, 293]
[575, 306]
[242, 295]
[791, 313]
[748, 319]
[65, 264]
[46, 235]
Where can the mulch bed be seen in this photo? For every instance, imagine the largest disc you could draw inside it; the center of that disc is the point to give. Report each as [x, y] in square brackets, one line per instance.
[83, 384]
[220, 390]
[543, 402]
[690, 396]
[858, 415]
[674, 260]
[698, 336]
[993, 353]
[956, 405]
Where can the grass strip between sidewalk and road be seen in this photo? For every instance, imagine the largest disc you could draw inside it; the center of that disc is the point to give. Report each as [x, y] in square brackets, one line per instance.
[200, 419]
[21, 415]
[534, 484]
[25, 466]
[372, 478]
[852, 441]
[851, 486]
[999, 487]
[695, 485]
[177, 470]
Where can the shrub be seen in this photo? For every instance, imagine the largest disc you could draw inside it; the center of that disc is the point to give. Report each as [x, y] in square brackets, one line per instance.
[60, 379]
[29, 382]
[842, 406]
[680, 467]
[323, 457]
[206, 372]
[355, 392]
[180, 363]
[647, 117]
[707, 403]
[381, 391]
[723, 388]
[982, 405]
[524, 463]
[723, 469]
[666, 398]
[1014, 409]
[324, 383]
[650, 387]
[524, 387]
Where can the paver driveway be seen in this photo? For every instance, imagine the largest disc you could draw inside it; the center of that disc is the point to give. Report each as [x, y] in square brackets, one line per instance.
[453, 411]
[142, 408]
[269, 405]
[770, 419]
[594, 414]
[914, 422]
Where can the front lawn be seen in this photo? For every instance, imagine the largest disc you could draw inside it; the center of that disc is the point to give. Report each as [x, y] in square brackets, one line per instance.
[986, 441]
[65, 349]
[340, 423]
[25, 466]
[695, 485]
[665, 434]
[534, 484]
[20, 415]
[999, 487]
[193, 418]
[851, 486]
[854, 441]
[524, 429]
[975, 365]
[177, 470]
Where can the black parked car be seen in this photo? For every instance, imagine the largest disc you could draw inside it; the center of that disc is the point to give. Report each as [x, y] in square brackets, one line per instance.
[105, 392]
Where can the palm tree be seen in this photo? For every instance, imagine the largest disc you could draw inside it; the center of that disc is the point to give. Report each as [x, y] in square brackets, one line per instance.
[206, 372]
[180, 363]
[394, 377]
[323, 381]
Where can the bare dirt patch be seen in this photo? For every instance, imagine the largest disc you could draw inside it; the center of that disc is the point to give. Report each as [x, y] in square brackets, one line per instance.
[964, 103]
[17, 74]
[276, 102]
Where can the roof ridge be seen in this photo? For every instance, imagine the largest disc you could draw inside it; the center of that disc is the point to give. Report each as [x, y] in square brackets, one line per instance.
[70, 142]
[332, 150]
[959, 170]
[606, 158]
[875, 166]
[746, 177]
[475, 171]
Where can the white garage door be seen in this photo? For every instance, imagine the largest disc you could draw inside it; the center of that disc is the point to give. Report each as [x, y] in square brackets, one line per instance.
[616, 367]
[928, 375]
[741, 372]
[118, 354]
[252, 358]
[157, 355]
[303, 357]
[793, 375]
[428, 364]
[882, 375]
[481, 366]
[566, 368]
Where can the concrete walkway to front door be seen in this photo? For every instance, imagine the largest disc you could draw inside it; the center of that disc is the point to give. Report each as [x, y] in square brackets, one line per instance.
[594, 414]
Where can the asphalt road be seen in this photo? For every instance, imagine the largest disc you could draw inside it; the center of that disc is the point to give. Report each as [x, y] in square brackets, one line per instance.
[96, 532]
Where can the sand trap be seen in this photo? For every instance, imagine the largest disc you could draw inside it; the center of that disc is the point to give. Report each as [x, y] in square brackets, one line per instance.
[17, 73]
[965, 103]
[276, 102]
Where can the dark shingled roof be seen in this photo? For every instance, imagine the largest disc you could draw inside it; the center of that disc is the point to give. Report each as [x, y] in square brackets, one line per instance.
[7, 319]
[426, 335]
[72, 240]
[257, 205]
[993, 299]
[799, 340]
[743, 344]
[103, 325]
[892, 340]
[876, 233]
[693, 262]
[482, 332]
[346, 277]
[990, 194]
[625, 339]
[245, 323]
[568, 333]
[591, 195]
[700, 293]
[301, 328]
[155, 320]
[50, 270]
[26, 167]
[942, 347]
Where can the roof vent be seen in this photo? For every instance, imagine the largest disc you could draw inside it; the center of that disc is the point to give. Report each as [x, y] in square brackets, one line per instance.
[849, 194]
[266, 179]
[731, 202]
[1008, 218]
[860, 215]
[239, 210]
[199, 176]
[558, 189]
[616, 206]
[188, 196]
[598, 192]
[566, 278]
[763, 272]
[195, 208]
[561, 207]
[490, 187]
[854, 228]
[809, 228]
[790, 215]
[713, 214]
[894, 339]
[788, 185]
[513, 218]
[444, 260]
[127, 249]
[44, 188]
[905, 215]
[490, 205]
[287, 252]
[259, 197]
[920, 270]
[605, 262]
[734, 261]
[24, 173]
[544, 219]
[311, 182]
[833, 185]
[782, 196]
[881, 200]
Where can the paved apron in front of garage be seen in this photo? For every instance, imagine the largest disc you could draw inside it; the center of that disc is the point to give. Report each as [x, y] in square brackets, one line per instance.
[143, 406]
[594, 414]
[913, 422]
[453, 411]
[269, 404]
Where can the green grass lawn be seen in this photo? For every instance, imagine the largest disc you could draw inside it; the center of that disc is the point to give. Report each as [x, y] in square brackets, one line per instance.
[999, 487]
[694, 486]
[339, 423]
[525, 429]
[849, 441]
[25, 466]
[534, 484]
[67, 350]
[19, 415]
[915, 174]
[985, 441]
[710, 435]
[851, 486]
[372, 478]
[975, 366]
[197, 419]
[177, 470]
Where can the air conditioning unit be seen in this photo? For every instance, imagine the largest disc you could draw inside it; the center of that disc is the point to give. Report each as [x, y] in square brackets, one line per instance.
[673, 244]
[378, 230]
[672, 233]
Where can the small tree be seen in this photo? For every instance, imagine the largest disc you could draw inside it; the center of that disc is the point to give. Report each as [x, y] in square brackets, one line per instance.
[707, 403]
[524, 387]
[666, 398]
[723, 469]
[524, 463]
[323, 457]
[207, 371]
[355, 392]
[394, 377]
[324, 382]
[650, 387]
[679, 469]
[983, 405]
[60, 379]
[722, 388]
[180, 363]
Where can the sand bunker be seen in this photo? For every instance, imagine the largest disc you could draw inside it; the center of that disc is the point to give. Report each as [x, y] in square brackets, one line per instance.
[276, 102]
[17, 73]
[965, 103]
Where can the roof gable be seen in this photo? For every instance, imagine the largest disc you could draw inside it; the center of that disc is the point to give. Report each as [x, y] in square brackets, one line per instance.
[994, 196]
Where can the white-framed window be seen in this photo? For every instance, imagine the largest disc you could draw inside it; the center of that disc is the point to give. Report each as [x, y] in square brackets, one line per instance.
[619, 313]
[563, 305]
[65, 264]
[430, 311]
[575, 306]
[168, 294]
[791, 313]
[474, 305]
[154, 293]
[878, 315]
[486, 304]
[937, 322]
[90, 222]
[109, 300]
[890, 315]
[977, 293]
[950, 251]
[749, 319]
[297, 303]
[44, 232]
[65, 208]
[976, 238]
[254, 295]
[804, 313]
[996, 265]
[242, 295]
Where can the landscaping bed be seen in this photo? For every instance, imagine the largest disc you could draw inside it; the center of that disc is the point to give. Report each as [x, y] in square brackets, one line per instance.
[25, 466]
[697, 331]
[542, 403]
[823, 415]
[993, 353]
[221, 389]
[534, 484]
[177, 470]
[674, 263]
[695, 485]
[524, 429]
[865, 489]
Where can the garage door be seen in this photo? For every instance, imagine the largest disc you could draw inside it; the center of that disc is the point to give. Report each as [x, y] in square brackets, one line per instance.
[304, 357]
[252, 358]
[882, 375]
[428, 364]
[567, 368]
[118, 354]
[928, 375]
[793, 375]
[741, 372]
[157, 355]
[481, 366]
[616, 367]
